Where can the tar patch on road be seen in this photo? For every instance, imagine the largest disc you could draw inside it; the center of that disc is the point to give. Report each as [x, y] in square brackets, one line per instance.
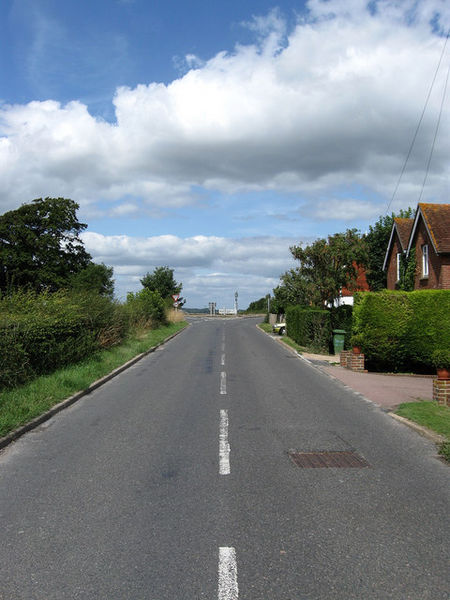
[333, 459]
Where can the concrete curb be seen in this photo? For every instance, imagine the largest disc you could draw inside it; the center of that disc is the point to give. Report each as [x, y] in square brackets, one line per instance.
[424, 431]
[20, 431]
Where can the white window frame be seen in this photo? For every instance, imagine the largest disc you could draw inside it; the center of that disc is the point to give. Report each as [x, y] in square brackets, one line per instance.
[399, 254]
[425, 261]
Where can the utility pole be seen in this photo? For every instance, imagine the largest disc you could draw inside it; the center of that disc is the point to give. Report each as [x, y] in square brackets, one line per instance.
[236, 303]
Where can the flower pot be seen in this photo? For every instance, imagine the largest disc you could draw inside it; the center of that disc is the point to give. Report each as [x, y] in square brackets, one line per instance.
[443, 373]
[357, 349]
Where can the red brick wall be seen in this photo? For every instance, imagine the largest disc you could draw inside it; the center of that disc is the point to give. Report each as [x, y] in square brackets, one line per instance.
[435, 271]
[445, 273]
[391, 274]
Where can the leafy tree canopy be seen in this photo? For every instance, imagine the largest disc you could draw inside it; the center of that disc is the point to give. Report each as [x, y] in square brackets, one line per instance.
[94, 278]
[377, 242]
[162, 281]
[40, 247]
[326, 266]
[258, 305]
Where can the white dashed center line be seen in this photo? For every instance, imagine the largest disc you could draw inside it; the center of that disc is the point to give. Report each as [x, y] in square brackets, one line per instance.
[224, 446]
[228, 585]
[223, 382]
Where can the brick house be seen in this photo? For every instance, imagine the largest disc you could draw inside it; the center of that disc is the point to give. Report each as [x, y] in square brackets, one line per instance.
[359, 285]
[429, 234]
[398, 246]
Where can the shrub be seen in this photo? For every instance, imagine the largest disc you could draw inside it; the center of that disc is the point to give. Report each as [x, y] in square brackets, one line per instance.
[42, 332]
[441, 359]
[145, 308]
[401, 330]
[309, 327]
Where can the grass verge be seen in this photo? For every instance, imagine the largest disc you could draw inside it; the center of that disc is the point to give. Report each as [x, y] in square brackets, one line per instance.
[431, 415]
[22, 404]
[287, 340]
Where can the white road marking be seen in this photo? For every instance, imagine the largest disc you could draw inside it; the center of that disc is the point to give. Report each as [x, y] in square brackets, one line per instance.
[223, 382]
[222, 360]
[228, 585]
[224, 446]
[223, 346]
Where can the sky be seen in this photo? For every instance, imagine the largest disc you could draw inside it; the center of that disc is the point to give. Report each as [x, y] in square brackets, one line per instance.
[211, 136]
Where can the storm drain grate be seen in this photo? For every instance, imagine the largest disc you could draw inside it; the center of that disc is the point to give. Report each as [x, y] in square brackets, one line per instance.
[336, 459]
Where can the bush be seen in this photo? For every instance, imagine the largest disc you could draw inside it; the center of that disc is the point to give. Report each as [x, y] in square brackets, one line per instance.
[309, 327]
[401, 330]
[145, 308]
[42, 332]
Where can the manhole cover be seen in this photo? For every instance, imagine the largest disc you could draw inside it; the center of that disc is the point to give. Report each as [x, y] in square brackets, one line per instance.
[317, 460]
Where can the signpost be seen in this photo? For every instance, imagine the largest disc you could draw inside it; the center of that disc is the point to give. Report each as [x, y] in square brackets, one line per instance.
[175, 298]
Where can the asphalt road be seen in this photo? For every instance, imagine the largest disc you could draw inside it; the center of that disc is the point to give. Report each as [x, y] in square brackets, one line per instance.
[173, 481]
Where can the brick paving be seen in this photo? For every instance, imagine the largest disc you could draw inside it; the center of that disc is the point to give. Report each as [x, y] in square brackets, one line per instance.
[385, 390]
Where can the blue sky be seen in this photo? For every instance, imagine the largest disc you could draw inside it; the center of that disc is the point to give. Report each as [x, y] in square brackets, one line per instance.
[211, 136]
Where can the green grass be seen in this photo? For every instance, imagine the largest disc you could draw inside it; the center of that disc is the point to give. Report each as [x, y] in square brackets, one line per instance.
[290, 342]
[22, 404]
[430, 415]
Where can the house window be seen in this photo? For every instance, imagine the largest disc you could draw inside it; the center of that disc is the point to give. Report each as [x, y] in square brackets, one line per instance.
[399, 263]
[425, 269]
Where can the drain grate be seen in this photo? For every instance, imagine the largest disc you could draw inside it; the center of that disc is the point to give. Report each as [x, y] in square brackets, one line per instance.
[336, 459]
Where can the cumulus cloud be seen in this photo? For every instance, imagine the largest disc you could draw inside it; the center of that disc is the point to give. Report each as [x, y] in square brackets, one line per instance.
[208, 266]
[333, 102]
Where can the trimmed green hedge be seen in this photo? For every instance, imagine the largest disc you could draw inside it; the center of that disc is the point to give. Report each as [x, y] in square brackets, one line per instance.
[399, 331]
[309, 327]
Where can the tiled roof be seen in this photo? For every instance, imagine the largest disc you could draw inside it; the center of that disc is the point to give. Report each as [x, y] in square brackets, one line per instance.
[437, 220]
[404, 227]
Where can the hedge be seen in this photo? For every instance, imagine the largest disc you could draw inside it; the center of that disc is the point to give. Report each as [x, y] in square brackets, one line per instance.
[39, 333]
[309, 327]
[42, 332]
[399, 331]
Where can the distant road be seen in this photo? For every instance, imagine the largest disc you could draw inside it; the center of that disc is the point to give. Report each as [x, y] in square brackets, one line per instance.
[173, 482]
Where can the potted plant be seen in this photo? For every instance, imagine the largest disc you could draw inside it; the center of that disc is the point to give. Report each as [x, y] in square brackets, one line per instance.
[441, 360]
[356, 341]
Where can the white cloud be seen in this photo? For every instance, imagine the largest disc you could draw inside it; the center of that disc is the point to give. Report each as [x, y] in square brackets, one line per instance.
[342, 209]
[333, 103]
[207, 266]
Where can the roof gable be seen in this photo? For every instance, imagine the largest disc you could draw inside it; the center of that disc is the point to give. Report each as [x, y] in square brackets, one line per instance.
[436, 218]
[403, 228]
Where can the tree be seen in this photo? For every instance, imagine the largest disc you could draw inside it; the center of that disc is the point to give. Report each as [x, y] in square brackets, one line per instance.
[40, 247]
[162, 281]
[94, 278]
[377, 242]
[258, 305]
[292, 290]
[326, 266]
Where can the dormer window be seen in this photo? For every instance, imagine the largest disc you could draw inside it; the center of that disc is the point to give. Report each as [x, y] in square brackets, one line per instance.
[425, 258]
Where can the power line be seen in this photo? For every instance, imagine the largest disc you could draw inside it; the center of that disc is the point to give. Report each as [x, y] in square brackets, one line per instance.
[435, 134]
[419, 124]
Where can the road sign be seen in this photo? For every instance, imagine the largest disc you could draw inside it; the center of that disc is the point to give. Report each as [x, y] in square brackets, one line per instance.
[175, 296]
